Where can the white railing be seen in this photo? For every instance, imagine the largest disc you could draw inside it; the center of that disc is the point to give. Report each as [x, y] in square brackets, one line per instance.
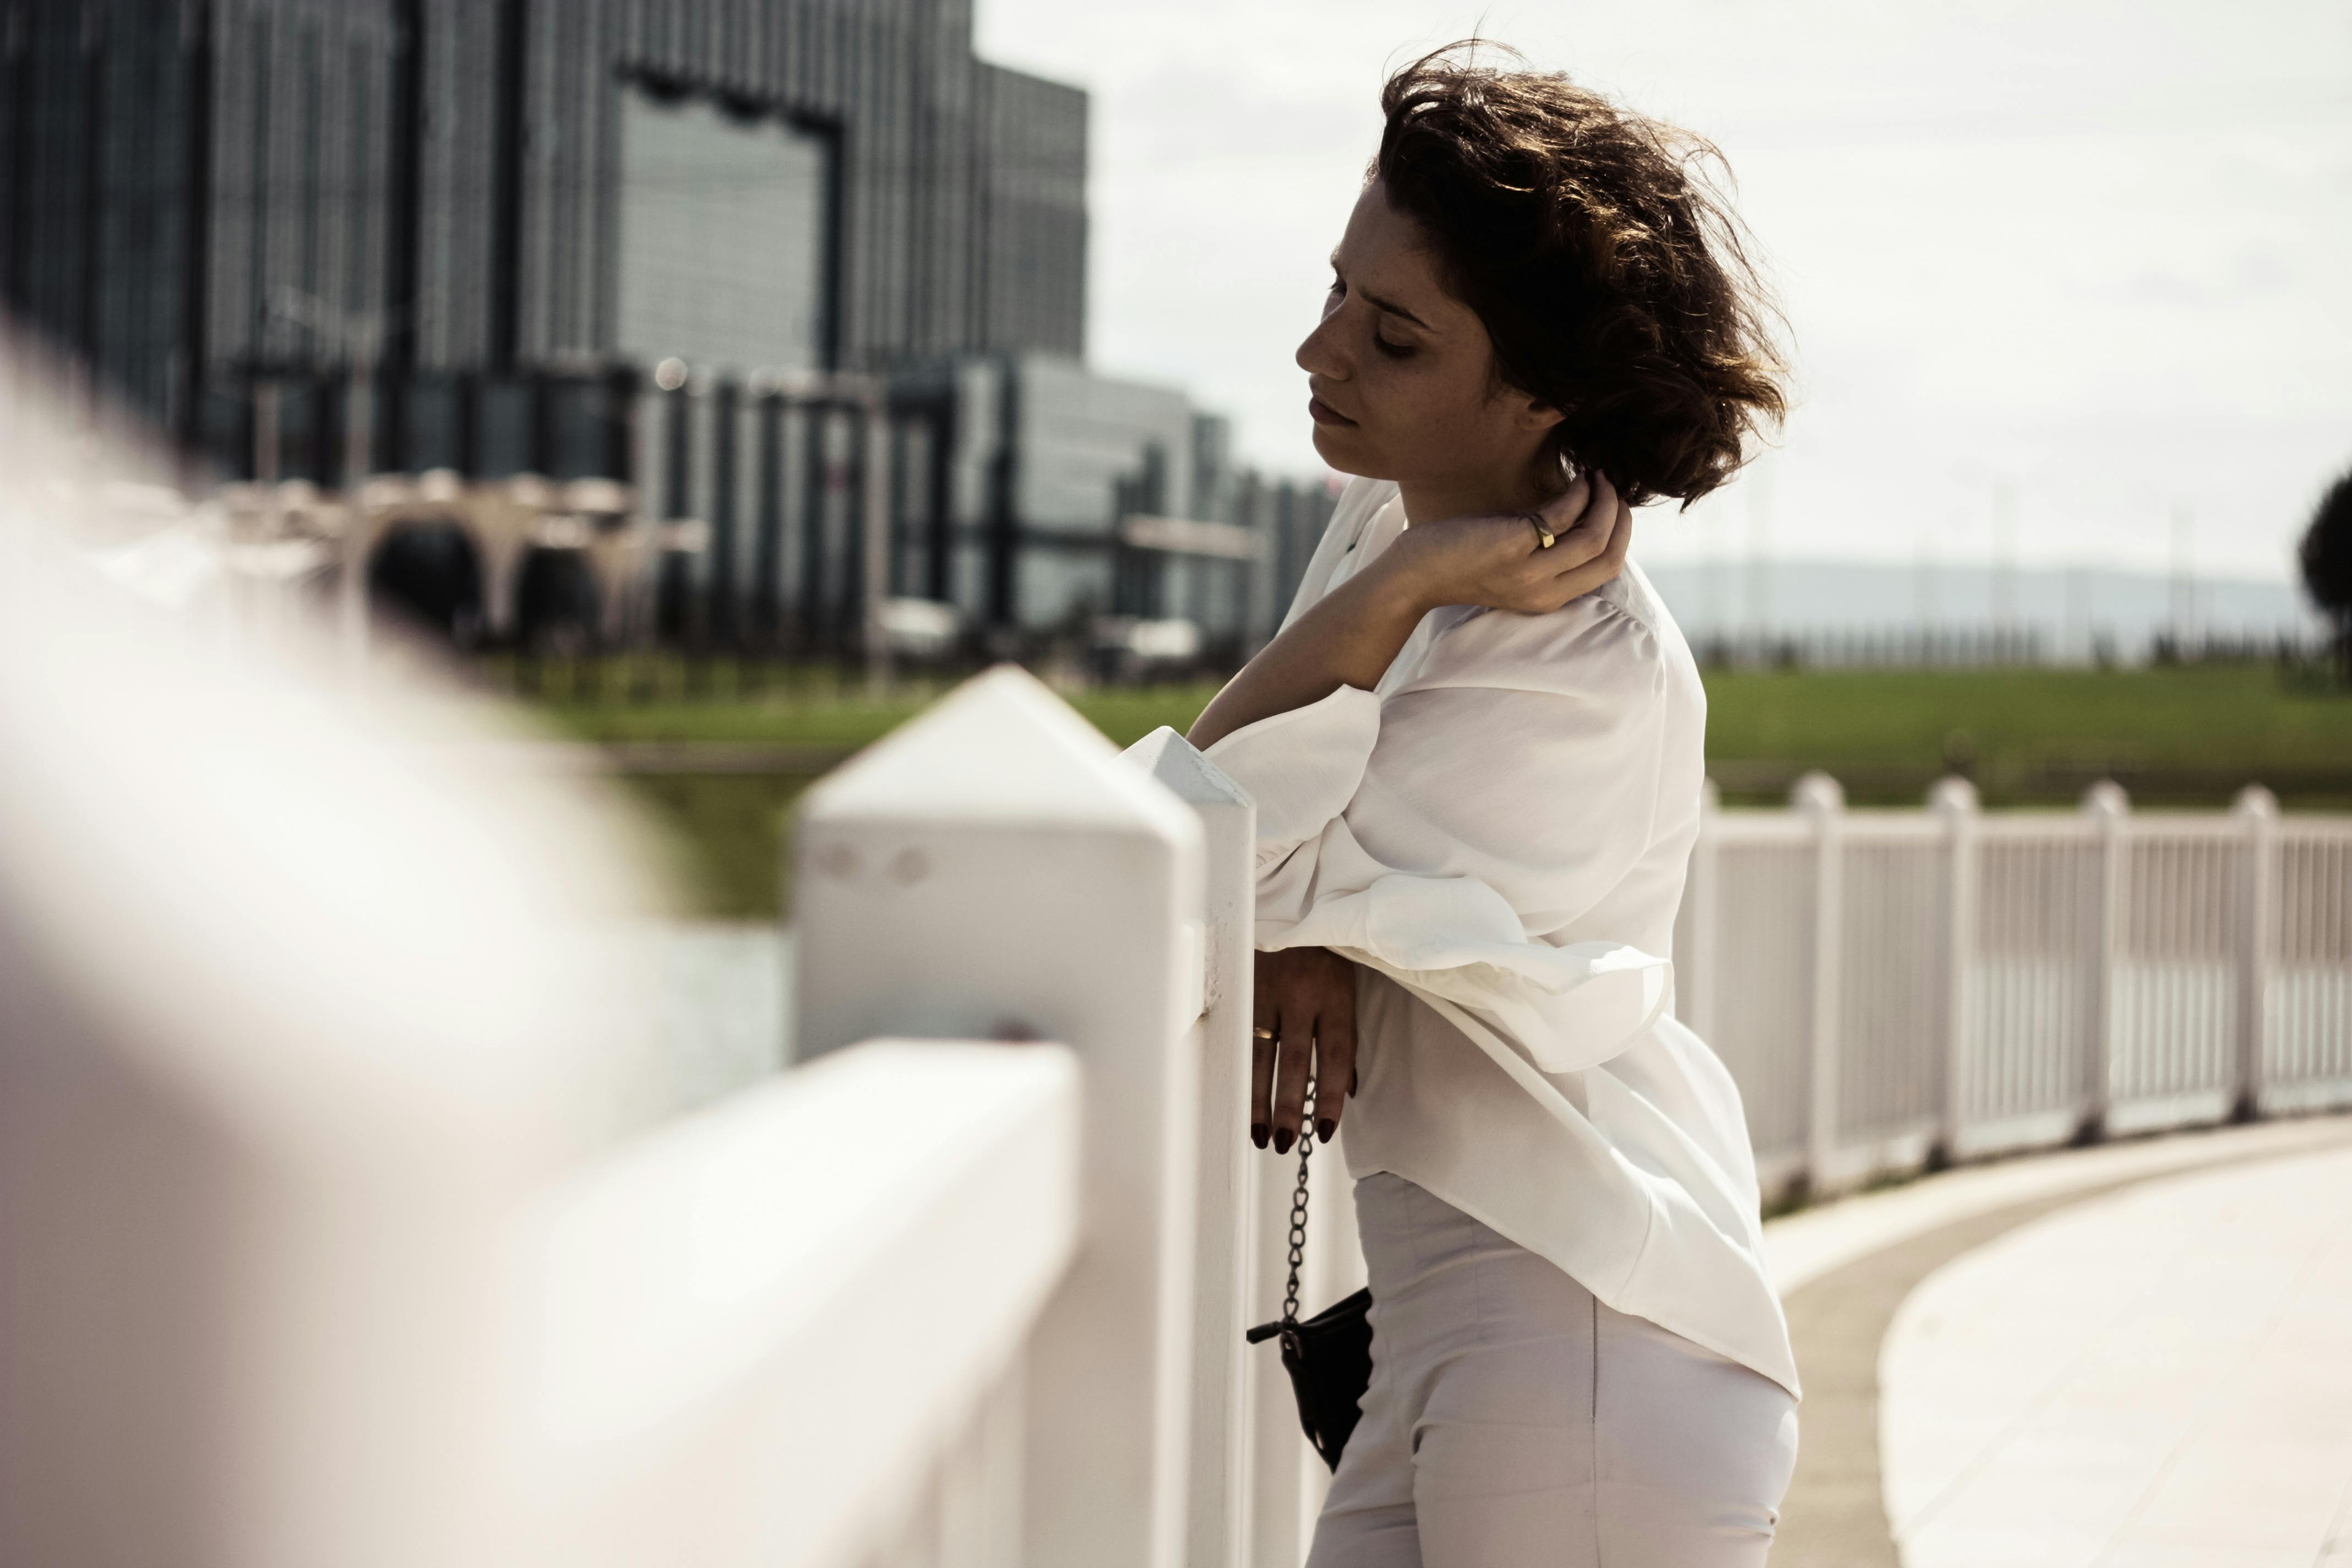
[735, 1370]
[1892, 987]
[991, 870]
[326, 1244]
[324, 1248]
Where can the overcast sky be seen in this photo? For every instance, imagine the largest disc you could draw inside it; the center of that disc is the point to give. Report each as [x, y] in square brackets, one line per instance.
[2097, 250]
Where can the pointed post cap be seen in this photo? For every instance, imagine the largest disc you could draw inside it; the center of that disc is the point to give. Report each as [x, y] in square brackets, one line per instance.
[1003, 748]
[1186, 771]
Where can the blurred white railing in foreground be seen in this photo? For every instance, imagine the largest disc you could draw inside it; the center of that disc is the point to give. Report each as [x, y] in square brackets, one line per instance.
[755, 1326]
[1892, 987]
[326, 1244]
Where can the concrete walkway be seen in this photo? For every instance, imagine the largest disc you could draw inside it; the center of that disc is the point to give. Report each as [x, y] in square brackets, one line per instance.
[1849, 1271]
[2155, 1379]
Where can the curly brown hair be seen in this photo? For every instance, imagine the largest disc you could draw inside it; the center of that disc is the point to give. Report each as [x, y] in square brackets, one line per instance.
[1597, 247]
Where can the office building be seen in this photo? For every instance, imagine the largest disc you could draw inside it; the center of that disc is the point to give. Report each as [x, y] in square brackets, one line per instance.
[781, 266]
[470, 193]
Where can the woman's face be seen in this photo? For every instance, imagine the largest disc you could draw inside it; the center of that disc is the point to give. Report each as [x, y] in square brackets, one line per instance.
[1400, 373]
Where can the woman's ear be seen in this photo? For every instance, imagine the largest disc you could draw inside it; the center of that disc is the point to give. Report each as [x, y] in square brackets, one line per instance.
[1534, 414]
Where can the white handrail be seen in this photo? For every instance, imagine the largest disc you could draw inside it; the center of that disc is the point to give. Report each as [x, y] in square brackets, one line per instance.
[1895, 988]
[309, 1099]
[1225, 1371]
[993, 870]
[772, 1333]
[297, 1021]
[1256, 1484]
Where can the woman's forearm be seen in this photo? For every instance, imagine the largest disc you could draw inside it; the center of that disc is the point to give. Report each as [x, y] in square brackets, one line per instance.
[1352, 636]
[1347, 638]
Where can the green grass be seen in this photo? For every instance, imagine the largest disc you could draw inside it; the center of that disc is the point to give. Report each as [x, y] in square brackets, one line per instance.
[725, 835]
[728, 834]
[2188, 737]
[2141, 715]
[783, 720]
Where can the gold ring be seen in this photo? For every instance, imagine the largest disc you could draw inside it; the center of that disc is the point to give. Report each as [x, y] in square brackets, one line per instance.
[1544, 536]
[1261, 1034]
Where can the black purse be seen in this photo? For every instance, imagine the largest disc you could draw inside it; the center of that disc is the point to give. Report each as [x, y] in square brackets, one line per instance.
[1329, 1355]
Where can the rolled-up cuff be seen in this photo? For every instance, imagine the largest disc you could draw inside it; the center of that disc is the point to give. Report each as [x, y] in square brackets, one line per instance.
[1302, 767]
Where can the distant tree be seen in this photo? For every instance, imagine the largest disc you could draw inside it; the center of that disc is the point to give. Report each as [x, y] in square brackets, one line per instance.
[2327, 566]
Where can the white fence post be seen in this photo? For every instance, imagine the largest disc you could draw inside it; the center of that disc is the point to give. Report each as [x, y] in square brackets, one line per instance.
[2109, 809]
[1699, 963]
[993, 870]
[1280, 1509]
[1822, 802]
[1954, 801]
[296, 1025]
[2256, 810]
[1224, 1261]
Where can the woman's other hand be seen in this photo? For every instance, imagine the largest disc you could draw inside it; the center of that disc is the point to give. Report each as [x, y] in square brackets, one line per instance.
[1498, 561]
[1305, 1019]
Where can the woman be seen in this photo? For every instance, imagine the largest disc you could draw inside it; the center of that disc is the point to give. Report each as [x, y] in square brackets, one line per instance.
[1475, 747]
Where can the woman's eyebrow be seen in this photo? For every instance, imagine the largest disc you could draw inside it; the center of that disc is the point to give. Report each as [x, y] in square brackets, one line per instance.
[1377, 303]
[1394, 309]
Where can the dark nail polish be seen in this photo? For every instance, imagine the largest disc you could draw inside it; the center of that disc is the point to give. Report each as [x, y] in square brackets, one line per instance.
[1282, 1140]
[1324, 1128]
[1257, 1133]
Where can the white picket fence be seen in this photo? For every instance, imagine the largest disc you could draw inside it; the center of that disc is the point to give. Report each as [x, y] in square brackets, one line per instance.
[322, 1251]
[1892, 987]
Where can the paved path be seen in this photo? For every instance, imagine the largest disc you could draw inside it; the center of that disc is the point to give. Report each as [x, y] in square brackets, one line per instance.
[1848, 1269]
[2158, 1379]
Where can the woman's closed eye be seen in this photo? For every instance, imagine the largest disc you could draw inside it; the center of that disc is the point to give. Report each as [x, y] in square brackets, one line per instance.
[1332, 301]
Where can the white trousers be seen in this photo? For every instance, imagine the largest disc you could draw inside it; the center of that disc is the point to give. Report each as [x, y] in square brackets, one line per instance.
[1514, 1422]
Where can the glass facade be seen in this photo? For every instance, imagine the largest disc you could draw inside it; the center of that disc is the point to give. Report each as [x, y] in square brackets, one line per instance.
[725, 240]
[1091, 447]
[461, 234]
[1064, 496]
[199, 194]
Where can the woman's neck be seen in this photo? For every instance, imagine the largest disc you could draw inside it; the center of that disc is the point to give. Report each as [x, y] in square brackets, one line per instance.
[1480, 493]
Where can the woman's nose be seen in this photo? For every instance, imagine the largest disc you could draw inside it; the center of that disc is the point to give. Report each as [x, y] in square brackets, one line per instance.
[1321, 354]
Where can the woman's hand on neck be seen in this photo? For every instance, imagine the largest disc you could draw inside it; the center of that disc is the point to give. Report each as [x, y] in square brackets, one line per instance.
[1490, 558]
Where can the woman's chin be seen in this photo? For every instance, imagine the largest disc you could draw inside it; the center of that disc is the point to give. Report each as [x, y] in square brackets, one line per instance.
[1343, 452]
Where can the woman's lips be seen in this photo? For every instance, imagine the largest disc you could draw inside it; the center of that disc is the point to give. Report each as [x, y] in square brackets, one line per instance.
[1323, 413]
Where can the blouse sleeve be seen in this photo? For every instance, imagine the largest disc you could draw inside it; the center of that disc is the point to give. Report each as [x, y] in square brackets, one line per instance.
[1447, 835]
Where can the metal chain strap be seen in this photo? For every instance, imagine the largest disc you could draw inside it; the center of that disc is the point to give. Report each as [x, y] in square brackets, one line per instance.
[1299, 1214]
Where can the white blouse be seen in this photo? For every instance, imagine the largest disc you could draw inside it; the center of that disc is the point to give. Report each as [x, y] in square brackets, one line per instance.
[1498, 834]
